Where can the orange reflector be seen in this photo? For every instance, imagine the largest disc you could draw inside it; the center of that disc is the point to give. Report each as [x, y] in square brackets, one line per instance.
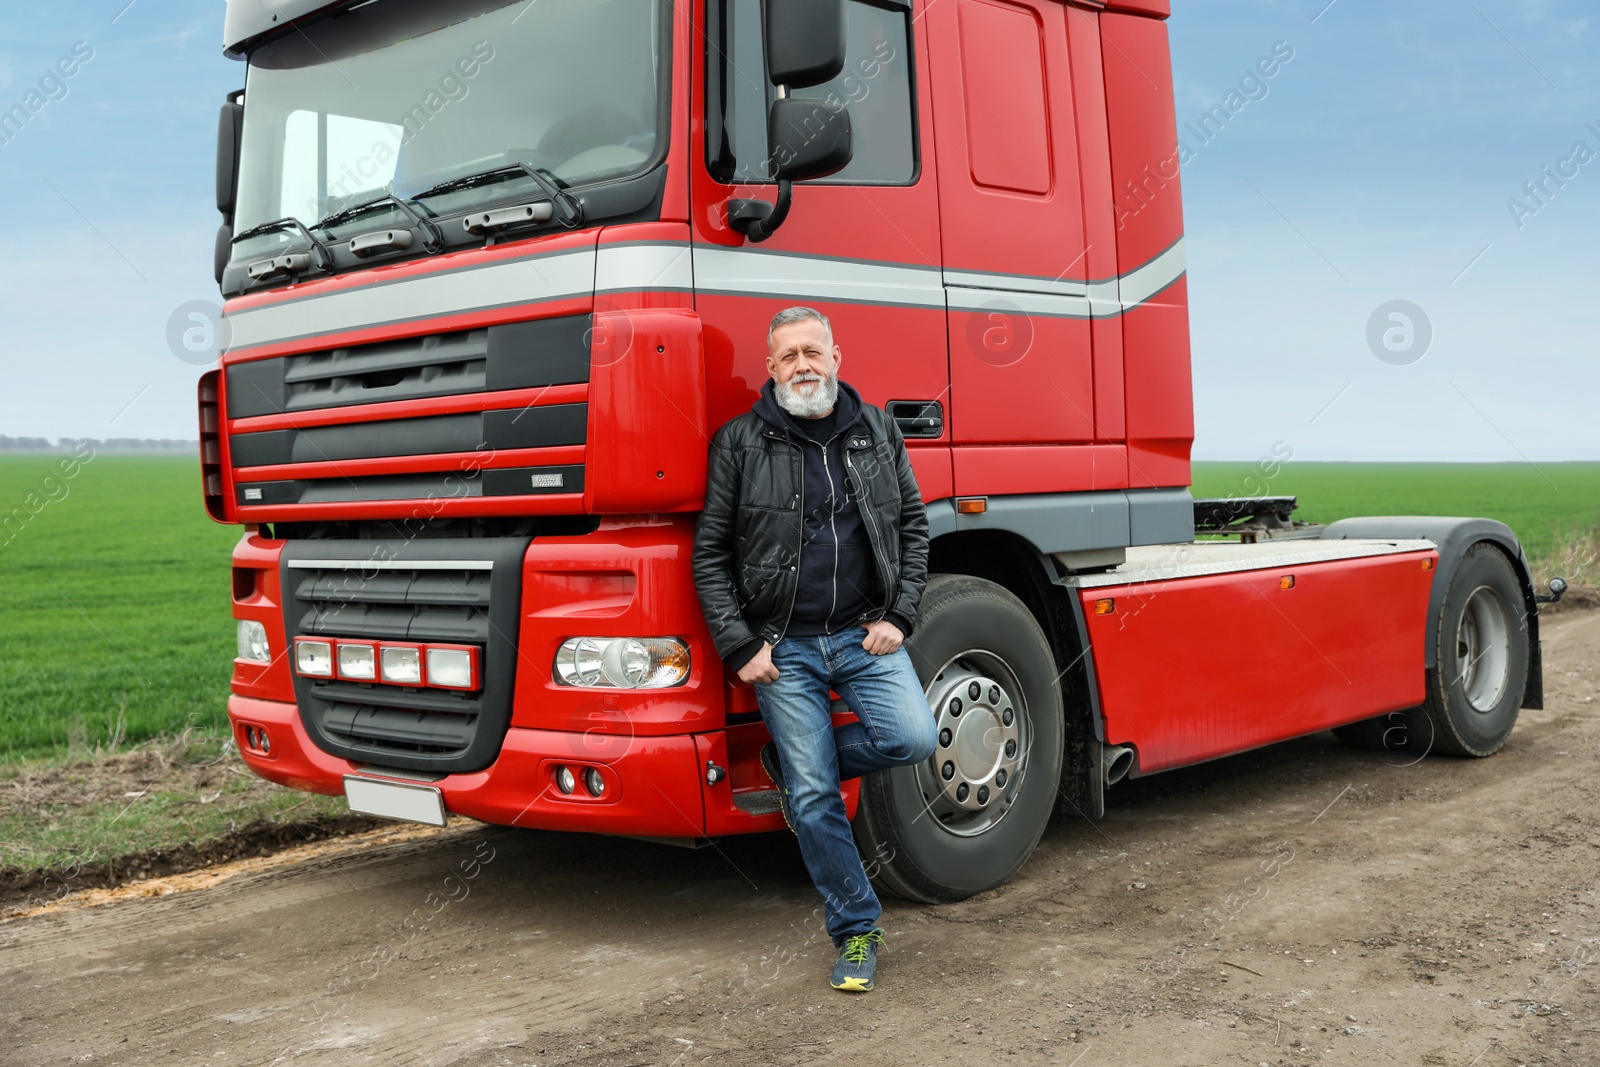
[1427, 564]
[972, 505]
[1105, 607]
[1286, 582]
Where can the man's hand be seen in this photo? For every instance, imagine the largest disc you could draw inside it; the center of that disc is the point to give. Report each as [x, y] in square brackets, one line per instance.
[883, 637]
[760, 669]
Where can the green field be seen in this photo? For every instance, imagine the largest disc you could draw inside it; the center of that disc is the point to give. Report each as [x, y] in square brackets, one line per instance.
[114, 599]
[115, 617]
[1546, 505]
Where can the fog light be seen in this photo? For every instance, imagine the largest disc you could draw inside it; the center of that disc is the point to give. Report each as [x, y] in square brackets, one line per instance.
[564, 780]
[622, 662]
[313, 658]
[253, 642]
[594, 781]
[357, 662]
[400, 665]
[453, 668]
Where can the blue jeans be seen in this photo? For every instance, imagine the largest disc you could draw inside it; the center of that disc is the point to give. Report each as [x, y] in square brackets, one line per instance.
[895, 728]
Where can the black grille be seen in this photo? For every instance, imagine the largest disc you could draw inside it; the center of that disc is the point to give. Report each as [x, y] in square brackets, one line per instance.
[518, 355]
[445, 591]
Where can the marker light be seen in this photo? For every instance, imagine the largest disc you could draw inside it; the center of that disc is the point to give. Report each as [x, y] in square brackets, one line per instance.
[1286, 582]
[1108, 606]
[400, 665]
[313, 658]
[622, 662]
[453, 667]
[357, 662]
[253, 642]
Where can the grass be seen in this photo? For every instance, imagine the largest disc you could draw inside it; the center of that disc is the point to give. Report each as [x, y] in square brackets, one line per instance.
[74, 815]
[1554, 507]
[115, 612]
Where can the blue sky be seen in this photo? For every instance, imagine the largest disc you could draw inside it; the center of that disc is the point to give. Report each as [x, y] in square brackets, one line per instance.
[1377, 167]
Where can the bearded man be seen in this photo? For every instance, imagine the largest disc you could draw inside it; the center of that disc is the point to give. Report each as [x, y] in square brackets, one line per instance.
[810, 558]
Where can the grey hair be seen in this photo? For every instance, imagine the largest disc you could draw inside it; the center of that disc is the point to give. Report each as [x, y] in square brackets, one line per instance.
[790, 316]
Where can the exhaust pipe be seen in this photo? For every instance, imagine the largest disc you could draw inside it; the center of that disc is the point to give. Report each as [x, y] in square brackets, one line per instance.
[1118, 762]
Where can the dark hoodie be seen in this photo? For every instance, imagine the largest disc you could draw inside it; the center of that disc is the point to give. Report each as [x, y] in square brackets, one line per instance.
[838, 586]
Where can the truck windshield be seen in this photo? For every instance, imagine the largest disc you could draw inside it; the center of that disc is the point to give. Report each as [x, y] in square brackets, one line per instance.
[399, 96]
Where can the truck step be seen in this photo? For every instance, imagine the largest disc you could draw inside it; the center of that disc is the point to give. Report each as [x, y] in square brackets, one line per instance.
[757, 802]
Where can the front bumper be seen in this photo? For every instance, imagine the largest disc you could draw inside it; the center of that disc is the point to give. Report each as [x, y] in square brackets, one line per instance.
[656, 786]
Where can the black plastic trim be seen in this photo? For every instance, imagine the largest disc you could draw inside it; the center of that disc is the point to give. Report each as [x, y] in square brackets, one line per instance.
[421, 729]
[517, 355]
[434, 485]
[532, 427]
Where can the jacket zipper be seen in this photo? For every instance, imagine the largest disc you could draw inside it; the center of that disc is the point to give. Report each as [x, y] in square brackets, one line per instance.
[799, 541]
[889, 585]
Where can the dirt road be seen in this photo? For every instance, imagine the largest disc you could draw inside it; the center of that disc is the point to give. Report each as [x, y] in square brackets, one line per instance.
[1302, 904]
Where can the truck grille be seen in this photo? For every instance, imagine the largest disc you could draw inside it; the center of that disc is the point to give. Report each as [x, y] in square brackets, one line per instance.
[285, 458]
[518, 355]
[448, 591]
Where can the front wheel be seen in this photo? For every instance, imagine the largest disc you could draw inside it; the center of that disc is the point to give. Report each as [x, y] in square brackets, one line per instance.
[968, 818]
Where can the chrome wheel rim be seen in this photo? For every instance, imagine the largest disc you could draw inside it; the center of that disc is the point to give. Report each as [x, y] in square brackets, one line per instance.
[981, 752]
[1483, 649]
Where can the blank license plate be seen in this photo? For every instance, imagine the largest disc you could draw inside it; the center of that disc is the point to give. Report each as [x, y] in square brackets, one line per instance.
[390, 800]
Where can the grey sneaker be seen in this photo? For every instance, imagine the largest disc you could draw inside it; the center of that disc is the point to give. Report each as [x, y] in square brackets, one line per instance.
[858, 958]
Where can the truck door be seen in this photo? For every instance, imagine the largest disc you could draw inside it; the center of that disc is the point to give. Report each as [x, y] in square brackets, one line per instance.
[1016, 264]
[862, 247]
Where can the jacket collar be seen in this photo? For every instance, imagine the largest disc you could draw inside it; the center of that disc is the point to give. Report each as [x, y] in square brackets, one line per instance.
[847, 410]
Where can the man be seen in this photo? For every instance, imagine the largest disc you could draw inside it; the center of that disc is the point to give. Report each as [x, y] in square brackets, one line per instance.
[810, 558]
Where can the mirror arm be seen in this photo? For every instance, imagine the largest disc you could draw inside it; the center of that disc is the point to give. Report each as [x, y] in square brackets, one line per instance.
[757, 219]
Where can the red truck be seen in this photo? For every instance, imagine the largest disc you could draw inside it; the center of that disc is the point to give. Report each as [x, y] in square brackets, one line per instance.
[494, 272]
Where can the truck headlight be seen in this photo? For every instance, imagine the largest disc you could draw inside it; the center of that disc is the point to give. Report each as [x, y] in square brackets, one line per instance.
[313, 658]
[400, 665]
[622, 662]
[253, 642]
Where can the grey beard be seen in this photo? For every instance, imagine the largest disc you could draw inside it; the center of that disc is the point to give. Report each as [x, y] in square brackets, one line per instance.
[815, 406]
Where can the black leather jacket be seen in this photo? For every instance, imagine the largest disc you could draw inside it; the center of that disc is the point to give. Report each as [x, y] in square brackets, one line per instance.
[747, 542]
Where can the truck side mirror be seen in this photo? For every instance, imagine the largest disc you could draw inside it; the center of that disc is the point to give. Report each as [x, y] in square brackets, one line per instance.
[805, 46]
[804, 41]
[808, 139]
[230, 124]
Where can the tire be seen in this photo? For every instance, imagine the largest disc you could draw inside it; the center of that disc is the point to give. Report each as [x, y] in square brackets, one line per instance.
[921, 841]
[1481, 665]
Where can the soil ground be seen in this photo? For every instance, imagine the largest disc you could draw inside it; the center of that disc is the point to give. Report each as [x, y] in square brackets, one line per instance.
[1305, 903]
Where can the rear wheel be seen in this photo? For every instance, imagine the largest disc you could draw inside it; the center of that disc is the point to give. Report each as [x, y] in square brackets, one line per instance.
[1481, 666]
[967, 819]
[1475, 688]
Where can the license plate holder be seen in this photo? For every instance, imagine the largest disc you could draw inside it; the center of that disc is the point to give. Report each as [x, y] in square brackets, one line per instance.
[394, 800]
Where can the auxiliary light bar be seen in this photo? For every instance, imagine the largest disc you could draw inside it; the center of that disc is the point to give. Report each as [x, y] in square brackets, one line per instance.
[405, 663]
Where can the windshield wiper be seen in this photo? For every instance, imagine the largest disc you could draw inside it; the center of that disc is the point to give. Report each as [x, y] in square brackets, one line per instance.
[570, 208]
[289, 262]
[435, 238]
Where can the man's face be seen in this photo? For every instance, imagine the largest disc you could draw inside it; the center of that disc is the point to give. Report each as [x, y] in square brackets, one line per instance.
[801, 351]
